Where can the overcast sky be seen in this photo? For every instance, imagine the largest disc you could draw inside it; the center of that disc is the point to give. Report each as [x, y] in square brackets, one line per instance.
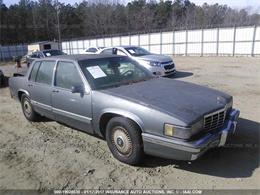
[255, 4]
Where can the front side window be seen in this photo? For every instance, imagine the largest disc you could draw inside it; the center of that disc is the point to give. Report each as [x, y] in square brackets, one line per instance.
[92, 50]
[112, 72]
[120, 52]
[34, 71]
[45, 72]
[67, 75]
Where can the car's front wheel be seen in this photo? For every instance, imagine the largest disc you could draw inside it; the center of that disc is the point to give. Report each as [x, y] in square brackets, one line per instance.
[124, 140]
[28, 110]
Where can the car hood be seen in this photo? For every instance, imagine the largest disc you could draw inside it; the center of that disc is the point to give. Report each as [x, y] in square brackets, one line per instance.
[185, 101]
[155, 58]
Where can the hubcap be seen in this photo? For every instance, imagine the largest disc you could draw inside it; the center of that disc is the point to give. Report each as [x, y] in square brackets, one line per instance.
[27, 108]
[122, 141]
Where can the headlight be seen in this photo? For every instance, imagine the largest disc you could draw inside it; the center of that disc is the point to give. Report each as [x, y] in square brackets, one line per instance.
[176, 131]
[155, 63]
[168, 129]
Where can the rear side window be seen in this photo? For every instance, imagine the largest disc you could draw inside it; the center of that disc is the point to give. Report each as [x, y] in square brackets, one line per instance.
[92, 49]
[67, 75]
[107, 51]
[45, 72]
[34, 71]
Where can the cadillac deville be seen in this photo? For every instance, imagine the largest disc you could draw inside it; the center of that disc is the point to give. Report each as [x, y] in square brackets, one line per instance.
[115, 98]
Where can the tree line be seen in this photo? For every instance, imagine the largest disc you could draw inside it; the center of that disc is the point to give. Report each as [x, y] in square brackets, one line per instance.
[31, 21]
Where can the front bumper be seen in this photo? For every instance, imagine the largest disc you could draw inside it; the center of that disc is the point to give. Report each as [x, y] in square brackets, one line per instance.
[161, 71]
[190, 150]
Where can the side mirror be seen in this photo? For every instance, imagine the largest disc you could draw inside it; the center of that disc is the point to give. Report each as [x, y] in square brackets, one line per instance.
[77, 89]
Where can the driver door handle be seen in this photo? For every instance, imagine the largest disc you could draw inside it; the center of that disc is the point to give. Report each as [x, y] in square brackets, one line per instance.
[55, 91]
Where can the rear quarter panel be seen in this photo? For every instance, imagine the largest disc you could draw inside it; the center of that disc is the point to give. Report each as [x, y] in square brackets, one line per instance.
[17, 84]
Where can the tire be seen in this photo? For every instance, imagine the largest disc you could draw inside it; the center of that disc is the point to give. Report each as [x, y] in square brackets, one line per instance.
[124, 140]
[28, 110]
[1, 80]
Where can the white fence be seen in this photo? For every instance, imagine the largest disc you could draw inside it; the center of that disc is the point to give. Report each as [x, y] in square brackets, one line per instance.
[233, 41]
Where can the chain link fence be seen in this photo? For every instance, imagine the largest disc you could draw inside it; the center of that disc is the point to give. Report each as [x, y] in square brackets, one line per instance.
[8, 53]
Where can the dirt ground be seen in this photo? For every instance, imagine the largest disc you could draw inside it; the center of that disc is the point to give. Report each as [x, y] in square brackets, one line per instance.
[48, 155]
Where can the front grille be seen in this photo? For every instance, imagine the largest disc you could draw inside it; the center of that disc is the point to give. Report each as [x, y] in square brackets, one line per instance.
[168, 67]
[214, 120]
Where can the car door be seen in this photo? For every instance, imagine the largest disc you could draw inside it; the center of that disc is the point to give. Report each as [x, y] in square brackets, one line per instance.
[40, 87]
[73, 109]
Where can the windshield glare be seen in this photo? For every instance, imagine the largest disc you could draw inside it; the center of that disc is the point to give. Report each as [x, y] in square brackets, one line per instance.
[113, 72]
[137, 51]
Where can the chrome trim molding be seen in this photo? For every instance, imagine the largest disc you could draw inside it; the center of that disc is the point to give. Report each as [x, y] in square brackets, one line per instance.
[62, 112]
[44, 106]
[194, 156]
[72, 115]
[223, 138]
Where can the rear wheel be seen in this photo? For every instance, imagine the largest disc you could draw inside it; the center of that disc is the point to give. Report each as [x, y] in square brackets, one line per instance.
[28, 111]
[124, 140]
[1, 80]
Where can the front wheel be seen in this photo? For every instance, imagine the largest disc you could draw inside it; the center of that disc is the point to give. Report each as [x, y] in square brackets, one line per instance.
[124, 140]
[28, 111]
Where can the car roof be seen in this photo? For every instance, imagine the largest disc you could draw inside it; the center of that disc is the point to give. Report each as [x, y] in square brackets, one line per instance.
[80, 57]
[51, 50]
[121, 46]
[46, 50]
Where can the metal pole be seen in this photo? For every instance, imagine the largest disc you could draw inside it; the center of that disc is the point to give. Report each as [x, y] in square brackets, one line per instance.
[186, 43]
[217, 42]
[253, 43]
[202, 42]
[160, 42]
[173, 42]
[139, 39]
[234, 41]
[58, 22]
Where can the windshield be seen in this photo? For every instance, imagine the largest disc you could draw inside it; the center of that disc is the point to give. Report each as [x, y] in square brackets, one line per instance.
[137, 51]
[113, 72]
[53, 53]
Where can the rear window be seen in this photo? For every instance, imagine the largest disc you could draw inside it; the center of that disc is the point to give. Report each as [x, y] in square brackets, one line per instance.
[34, 71]
[45, 72]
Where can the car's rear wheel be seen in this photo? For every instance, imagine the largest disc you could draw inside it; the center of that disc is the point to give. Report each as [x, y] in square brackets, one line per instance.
[124, 140]
[28, 110]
